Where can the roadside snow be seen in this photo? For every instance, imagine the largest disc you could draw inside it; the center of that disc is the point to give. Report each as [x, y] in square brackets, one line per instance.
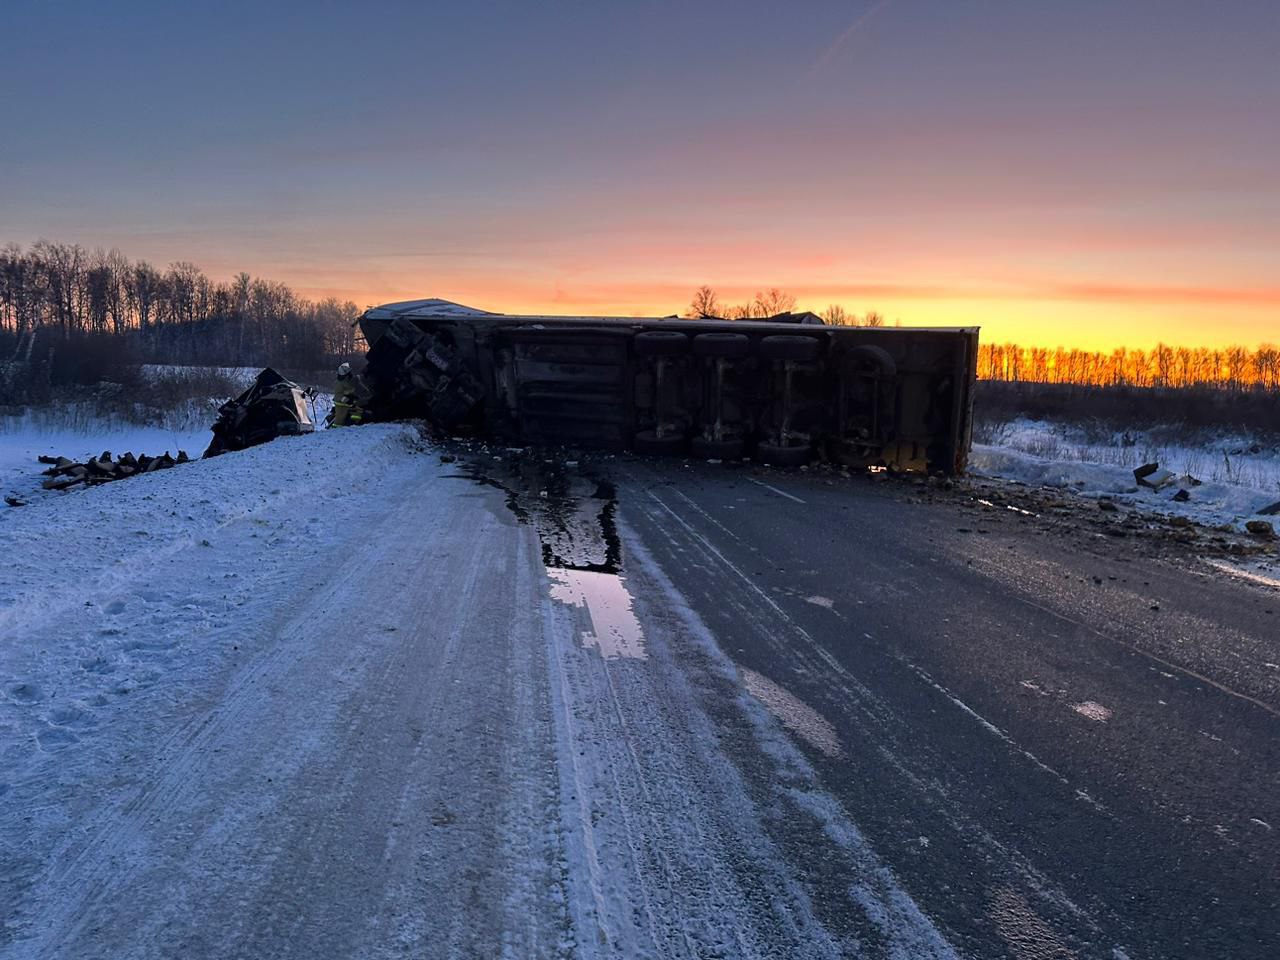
[242, 377]
[123, 603]
[1234, 483]
[1238, 461]
[78, 432]
[53, 433]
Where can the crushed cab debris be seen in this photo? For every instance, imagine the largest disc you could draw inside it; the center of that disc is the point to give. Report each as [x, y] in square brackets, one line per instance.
[272, 407]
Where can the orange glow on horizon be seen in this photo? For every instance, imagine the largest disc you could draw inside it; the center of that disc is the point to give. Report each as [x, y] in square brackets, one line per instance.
[1089, 316]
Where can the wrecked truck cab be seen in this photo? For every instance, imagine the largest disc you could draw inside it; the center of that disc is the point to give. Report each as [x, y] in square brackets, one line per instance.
[782, 390]
[272, 407]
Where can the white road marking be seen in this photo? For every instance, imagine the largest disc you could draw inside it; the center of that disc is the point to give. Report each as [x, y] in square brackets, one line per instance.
[997, 732]
[781, 493]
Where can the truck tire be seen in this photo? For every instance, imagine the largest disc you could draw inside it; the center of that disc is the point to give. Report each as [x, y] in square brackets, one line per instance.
[661, 343]
[729, 346]
[867, 356]
[706, 449]
[648, 442]
[781, 456]
[785, 347]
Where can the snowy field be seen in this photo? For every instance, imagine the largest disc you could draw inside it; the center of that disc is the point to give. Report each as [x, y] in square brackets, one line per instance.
[1227, 479]
[62, 432]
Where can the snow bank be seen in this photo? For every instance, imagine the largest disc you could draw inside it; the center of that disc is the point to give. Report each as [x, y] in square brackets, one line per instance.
[122, 602]
[1211, 503]
[64, 546]
[1238, 461]
[122, 587]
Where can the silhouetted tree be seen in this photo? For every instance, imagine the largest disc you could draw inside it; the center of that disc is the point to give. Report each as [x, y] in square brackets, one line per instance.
[772, 302]
[836, 316]
[180, 316]
[705, 303]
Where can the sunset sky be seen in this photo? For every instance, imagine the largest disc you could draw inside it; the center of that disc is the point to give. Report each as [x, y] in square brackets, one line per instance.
[1078, 172]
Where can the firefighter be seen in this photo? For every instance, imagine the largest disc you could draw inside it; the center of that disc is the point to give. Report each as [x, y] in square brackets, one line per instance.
[346, 400]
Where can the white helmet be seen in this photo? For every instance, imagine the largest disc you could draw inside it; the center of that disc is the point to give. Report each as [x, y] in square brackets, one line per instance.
[344, 369]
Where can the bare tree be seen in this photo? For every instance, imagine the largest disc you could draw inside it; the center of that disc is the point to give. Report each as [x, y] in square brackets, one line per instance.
[705, 303]
[836, 316]
[873, 318]
[111, 307]
[772, 302]
[143, 292]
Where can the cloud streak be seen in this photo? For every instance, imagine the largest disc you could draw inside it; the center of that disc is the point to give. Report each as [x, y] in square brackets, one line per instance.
[840, 42]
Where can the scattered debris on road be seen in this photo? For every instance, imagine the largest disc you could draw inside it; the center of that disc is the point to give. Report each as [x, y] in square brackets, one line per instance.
[1150, 475]
[1261, 529]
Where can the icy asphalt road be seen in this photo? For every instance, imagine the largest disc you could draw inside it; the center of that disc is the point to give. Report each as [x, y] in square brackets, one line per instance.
[335, 698]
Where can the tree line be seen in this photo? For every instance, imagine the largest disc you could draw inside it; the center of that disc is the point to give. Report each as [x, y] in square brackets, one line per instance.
[707, 305]
[1228, 368]
[55, 296]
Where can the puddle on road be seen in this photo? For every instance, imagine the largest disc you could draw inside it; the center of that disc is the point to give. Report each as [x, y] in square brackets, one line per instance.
[573, 515]
[615, 631]
[796, 715]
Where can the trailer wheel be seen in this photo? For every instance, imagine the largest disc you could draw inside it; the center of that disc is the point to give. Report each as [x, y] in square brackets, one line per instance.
[661, 343]
[648, 442]
[706, 449]
[784, 347]
[869, 357]
[729, 346]
[781, 456]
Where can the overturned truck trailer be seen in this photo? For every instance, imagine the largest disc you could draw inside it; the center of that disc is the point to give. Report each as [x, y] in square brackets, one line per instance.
[782, 389]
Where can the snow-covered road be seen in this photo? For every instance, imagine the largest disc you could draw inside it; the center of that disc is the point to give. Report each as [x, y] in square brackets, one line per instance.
[324, 698]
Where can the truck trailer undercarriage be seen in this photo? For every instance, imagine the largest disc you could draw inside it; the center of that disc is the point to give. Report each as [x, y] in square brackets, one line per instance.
[781, 390]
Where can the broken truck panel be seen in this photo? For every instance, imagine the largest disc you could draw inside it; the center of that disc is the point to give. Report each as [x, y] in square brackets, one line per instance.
[780, 389]
[272, 407]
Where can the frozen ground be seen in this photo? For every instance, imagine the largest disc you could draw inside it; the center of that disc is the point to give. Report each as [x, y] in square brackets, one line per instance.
[1237, 476]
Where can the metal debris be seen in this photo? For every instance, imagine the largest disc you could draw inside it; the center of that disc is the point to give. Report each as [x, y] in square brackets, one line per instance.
[272, 407]
[64, 473]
